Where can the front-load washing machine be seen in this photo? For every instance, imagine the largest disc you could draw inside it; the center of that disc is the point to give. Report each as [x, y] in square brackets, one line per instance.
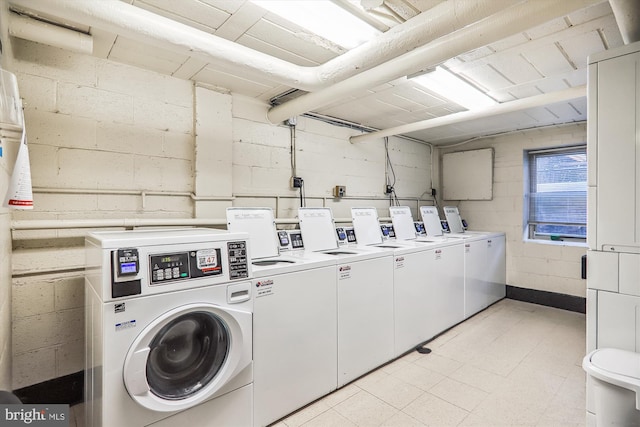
[168, 328]
[295, 317]
[364, 296]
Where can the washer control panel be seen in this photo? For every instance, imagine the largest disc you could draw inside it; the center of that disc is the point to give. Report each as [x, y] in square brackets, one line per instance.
[290, 240]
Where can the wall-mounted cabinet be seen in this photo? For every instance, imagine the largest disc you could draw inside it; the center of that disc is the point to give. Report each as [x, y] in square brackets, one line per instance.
[614, 151]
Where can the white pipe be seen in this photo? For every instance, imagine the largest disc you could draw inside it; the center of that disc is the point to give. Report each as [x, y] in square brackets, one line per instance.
[52, 35]
[497, 27]
[507, 107]
[146, 27]
[442, 19]
[627, 14]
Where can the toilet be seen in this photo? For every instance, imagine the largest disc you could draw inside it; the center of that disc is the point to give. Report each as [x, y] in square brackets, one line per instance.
[615, 377]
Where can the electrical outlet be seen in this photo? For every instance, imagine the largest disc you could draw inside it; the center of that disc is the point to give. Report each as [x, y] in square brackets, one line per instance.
[340, 191]
[296, 182]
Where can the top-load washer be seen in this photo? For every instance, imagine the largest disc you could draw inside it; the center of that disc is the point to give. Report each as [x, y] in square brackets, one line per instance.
[295, 318]
[484, 264]
[364, 292]
[168, 328]
[448, 269]
[413, 287]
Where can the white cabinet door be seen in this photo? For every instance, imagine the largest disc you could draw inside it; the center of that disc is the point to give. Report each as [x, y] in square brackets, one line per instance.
[617, 138]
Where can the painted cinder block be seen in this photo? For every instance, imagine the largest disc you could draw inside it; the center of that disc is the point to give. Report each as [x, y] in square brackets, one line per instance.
[33, 367]
[98, 104]
[163, 116]
[69, 292]
[122, 78]
[60, 130]
[37, 92]
[31, 297]
[96, 169]
[128, 139]
[69, 357]
[34, 332]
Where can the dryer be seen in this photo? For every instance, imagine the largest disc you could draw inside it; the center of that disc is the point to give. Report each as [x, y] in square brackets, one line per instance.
[295, 317]
[168, 328]
[364, 296]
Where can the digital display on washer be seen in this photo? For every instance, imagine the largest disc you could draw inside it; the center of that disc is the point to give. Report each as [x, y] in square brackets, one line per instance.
[169, 267]
[351, 235]
[391, 230]
[296, 240]
[284, 238]
[128, 268]
[127, 262]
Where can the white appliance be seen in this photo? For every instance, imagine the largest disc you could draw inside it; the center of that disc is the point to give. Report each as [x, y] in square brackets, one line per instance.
[168, 328]
[418, 292]
[295, 318]
[484, 260]
[613, 230]
[433, 225]
[364, 296]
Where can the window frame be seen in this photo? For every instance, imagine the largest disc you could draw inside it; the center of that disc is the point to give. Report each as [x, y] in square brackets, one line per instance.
[530, 232]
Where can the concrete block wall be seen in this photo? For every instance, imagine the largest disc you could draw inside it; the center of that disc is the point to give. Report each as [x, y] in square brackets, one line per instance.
[547, 266]
[100, 134]
[324, 158]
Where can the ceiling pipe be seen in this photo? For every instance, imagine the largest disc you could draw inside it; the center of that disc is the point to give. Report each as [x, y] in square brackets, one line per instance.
[464, 116]
[49, 34]
[627, 14]
[147, 27]
[496, 27]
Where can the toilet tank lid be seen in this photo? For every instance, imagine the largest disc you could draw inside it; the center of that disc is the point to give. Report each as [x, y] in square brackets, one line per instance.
[615, 366]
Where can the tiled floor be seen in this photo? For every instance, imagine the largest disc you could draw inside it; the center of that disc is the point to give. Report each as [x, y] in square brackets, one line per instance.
[515, 364]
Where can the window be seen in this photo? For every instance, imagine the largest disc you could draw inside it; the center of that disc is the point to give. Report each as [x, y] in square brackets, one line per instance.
[557, 194]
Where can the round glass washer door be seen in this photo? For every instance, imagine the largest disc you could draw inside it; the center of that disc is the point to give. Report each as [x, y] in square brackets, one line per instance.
[183, 357]
[186, 354]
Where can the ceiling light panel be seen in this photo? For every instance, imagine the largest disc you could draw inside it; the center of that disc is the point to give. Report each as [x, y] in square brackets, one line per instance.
[324, 18]
[453, 88]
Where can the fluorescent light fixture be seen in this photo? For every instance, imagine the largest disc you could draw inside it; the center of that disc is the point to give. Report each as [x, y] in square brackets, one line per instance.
[323, 18]
[453, 88]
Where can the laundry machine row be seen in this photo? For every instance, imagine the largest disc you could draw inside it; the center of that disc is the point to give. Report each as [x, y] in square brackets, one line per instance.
[280, 330]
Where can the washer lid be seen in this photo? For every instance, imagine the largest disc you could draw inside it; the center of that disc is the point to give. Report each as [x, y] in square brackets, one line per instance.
[616, 361]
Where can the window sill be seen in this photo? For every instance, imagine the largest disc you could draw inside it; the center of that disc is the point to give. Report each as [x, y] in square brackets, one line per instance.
[574, 243]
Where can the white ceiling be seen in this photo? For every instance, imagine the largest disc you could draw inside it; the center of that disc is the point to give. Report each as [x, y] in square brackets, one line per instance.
[532, 61]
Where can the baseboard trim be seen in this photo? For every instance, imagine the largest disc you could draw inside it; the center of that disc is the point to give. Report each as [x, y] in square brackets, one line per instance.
[549, 299]
[62, 390]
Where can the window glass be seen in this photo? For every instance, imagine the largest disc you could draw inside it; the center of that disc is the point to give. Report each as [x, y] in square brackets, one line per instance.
[557, 195]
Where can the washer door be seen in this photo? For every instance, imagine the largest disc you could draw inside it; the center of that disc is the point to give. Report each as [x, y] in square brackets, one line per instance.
[185, 356]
